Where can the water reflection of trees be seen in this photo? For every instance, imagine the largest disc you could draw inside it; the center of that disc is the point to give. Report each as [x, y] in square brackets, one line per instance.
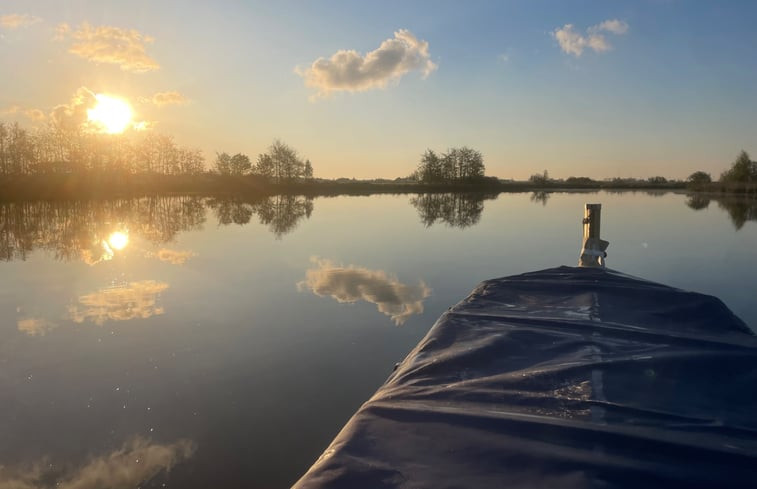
[75, 229]
[281, 213]
[739, 209]
[71, 230]
[540, 197]
[453, 209]
[698, 202]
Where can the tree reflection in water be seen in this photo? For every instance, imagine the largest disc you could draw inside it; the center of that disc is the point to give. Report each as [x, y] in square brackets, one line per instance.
[460, 210]
[540, 197]
[93, 231]
[698, 202]
[739, 209]
[281, 213]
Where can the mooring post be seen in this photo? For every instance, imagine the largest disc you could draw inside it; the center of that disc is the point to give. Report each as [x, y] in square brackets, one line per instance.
[593, 250]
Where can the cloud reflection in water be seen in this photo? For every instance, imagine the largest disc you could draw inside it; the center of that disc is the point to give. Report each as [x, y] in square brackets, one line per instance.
[137, 461]
[34, 327]
[351, 284]
[174, 257]
[130, 301]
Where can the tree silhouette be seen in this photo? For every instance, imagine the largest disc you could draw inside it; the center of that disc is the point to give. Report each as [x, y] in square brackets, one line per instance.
[699, 178]
[65, 147]
[282, 164]
[742, 170]
[456, 165]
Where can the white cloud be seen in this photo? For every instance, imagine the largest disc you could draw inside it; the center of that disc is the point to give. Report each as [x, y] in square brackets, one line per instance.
[574, 42]
[108, 44]
[349, 71]
[33, 114]
[61, 31]
[350, 284]
[615, 26]
[72, 115]
[168, 98]
[14, 21]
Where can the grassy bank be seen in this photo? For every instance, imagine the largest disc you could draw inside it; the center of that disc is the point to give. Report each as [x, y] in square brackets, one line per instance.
[71, 186]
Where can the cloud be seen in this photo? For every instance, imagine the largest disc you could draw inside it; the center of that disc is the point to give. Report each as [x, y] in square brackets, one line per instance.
[351, 284]
[168, 98]
[135, 300]
[35, 327]
[72, 115]
[14, 21]
[108, 44]
[174, 257]
[61, 31]
[614, 26]
[33, 114]
[574, 42]
[137, 461]
[348, 71]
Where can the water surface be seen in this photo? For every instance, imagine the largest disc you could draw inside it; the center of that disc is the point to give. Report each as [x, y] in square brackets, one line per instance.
[203, 342]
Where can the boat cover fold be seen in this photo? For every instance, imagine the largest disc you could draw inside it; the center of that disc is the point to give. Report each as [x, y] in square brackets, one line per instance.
[566, 377]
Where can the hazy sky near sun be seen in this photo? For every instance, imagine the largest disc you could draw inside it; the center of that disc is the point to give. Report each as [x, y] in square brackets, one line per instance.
[595, 88]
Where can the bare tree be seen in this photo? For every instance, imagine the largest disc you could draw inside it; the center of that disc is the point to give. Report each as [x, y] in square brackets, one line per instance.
[282, 164]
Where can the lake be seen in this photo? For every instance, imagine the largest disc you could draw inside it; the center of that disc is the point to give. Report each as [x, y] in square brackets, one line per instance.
[202, 342]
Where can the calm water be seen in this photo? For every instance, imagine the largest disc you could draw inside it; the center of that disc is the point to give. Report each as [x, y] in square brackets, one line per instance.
[199, 343]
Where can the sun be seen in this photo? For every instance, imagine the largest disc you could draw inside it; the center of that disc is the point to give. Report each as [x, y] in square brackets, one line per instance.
[118, 240]
[111, 114]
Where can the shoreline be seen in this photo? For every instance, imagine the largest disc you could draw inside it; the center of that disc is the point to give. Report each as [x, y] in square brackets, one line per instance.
[46, 187]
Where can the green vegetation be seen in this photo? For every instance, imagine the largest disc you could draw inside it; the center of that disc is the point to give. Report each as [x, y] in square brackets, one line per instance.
[743, 170]
[699, 178]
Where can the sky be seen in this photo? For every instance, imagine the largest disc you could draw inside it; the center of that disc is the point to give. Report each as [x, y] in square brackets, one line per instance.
[579, 88]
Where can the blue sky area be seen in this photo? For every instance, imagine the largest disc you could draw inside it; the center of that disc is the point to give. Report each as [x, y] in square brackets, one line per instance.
[595, 88]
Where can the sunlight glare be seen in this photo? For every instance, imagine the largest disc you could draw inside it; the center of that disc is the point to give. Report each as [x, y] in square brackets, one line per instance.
[118, 240]
[112, 114]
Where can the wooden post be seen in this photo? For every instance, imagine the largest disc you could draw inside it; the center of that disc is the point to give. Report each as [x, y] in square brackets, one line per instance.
[593, 252]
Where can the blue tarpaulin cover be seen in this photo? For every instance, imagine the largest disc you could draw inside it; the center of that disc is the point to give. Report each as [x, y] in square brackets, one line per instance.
[567, 377]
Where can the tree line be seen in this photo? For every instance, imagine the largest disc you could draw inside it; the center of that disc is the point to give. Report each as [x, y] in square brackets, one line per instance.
[54, 149]
[457, 165]
[70, 149]
[280, 164]
[743, 171]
